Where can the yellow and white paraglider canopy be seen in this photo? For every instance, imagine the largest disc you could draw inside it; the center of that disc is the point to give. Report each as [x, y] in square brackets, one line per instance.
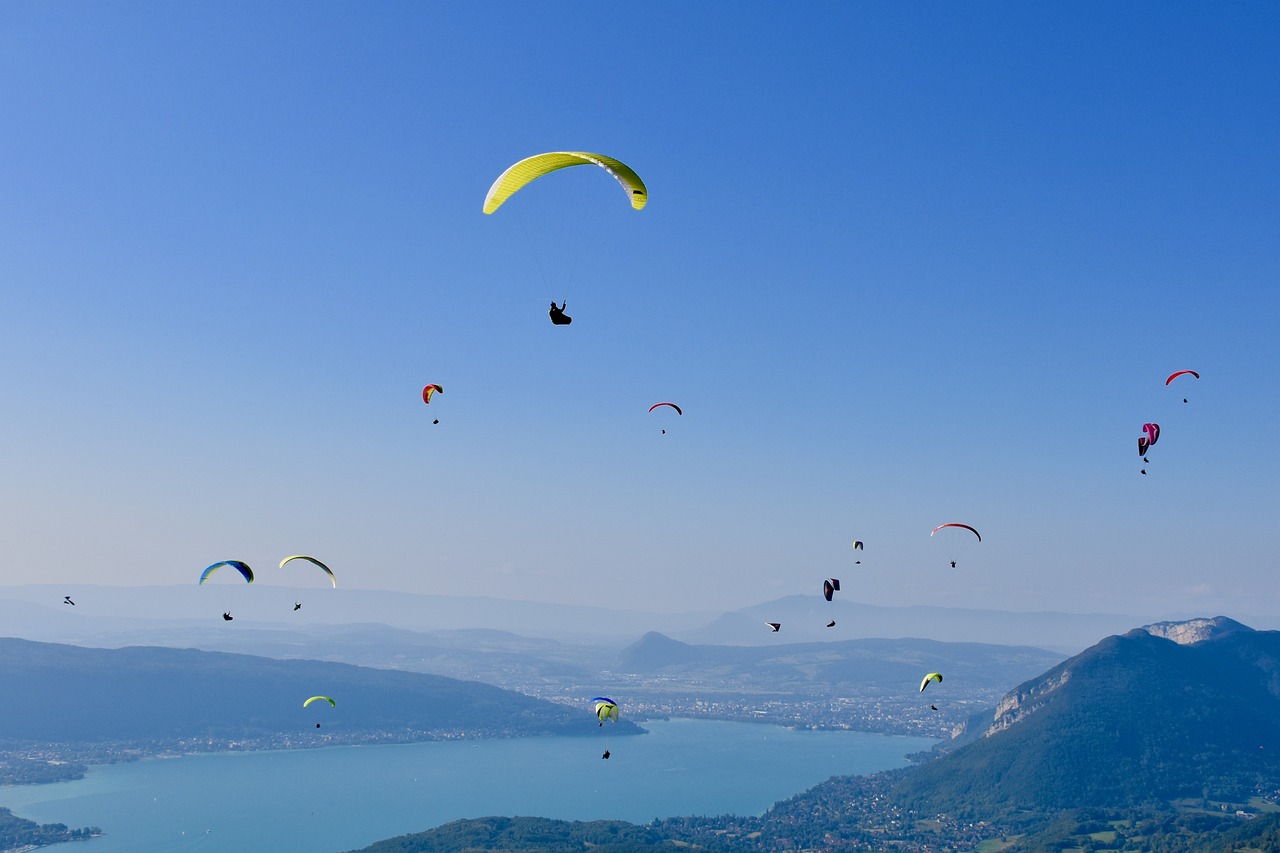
[328, 571]
[531, 168]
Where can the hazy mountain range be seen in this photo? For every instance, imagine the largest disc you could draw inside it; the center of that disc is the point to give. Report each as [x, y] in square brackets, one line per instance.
[656, 673]
[848, 665]
[110, 615]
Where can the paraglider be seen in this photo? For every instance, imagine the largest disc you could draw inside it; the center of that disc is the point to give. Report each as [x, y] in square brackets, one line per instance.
[332, 704]
[606, 710]
[427, 393]
[933, 676]
[1147, 441]
[297, 606]
[956, 537]
[1178, 373]
[239, 565]
[672, 405]
[829, 586]
[333, 580]
[530, 169]
[776, 626]
[857, 546]
[831, 624]
[66, 599]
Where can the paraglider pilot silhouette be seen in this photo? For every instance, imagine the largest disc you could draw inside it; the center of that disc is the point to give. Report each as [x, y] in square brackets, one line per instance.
[558, 317]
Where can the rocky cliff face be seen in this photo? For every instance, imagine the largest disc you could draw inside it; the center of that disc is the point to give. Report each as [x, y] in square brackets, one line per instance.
[1028, 698]
[1021, 703]
[1195, 630]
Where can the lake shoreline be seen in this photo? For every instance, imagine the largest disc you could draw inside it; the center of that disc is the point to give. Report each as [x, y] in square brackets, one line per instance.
[265, 800]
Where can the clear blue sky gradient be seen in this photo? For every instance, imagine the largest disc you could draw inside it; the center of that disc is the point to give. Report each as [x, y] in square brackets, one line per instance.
[901, 265]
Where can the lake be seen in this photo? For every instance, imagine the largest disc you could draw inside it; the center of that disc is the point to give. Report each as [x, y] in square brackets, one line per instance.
[348, 797]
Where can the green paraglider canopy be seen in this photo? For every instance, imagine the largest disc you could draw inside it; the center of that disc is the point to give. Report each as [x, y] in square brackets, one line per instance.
[606, 709]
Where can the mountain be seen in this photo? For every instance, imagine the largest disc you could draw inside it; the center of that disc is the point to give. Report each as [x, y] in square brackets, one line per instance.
[858, 684]
[1135, 718]
[804, 618]
[160, 698]
[115, 615]
[848, 665]
[167, 615]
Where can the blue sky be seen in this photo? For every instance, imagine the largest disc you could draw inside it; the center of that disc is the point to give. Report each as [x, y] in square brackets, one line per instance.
[900, 266]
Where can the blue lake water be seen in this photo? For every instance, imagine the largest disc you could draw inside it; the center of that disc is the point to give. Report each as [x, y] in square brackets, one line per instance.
[348, 797]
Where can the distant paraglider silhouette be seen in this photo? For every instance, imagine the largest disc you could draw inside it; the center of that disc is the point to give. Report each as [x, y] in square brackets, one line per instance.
[1178, 373]
[427, 392]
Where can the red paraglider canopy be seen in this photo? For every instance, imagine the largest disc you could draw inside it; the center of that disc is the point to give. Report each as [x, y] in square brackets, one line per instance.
[955, 524]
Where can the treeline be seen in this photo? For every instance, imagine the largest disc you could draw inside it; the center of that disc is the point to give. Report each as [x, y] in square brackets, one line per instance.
[16, 832]
[854, 814]
[532, 835]
[1152, 831]
[32, 771]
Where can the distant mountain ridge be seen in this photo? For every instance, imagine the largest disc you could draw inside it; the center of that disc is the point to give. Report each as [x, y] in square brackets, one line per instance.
[804, 619]
[867, 663]
[107, 615]
[160, 698]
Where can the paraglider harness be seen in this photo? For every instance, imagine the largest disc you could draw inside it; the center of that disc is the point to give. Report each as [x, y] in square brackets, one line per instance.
[558, 317]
